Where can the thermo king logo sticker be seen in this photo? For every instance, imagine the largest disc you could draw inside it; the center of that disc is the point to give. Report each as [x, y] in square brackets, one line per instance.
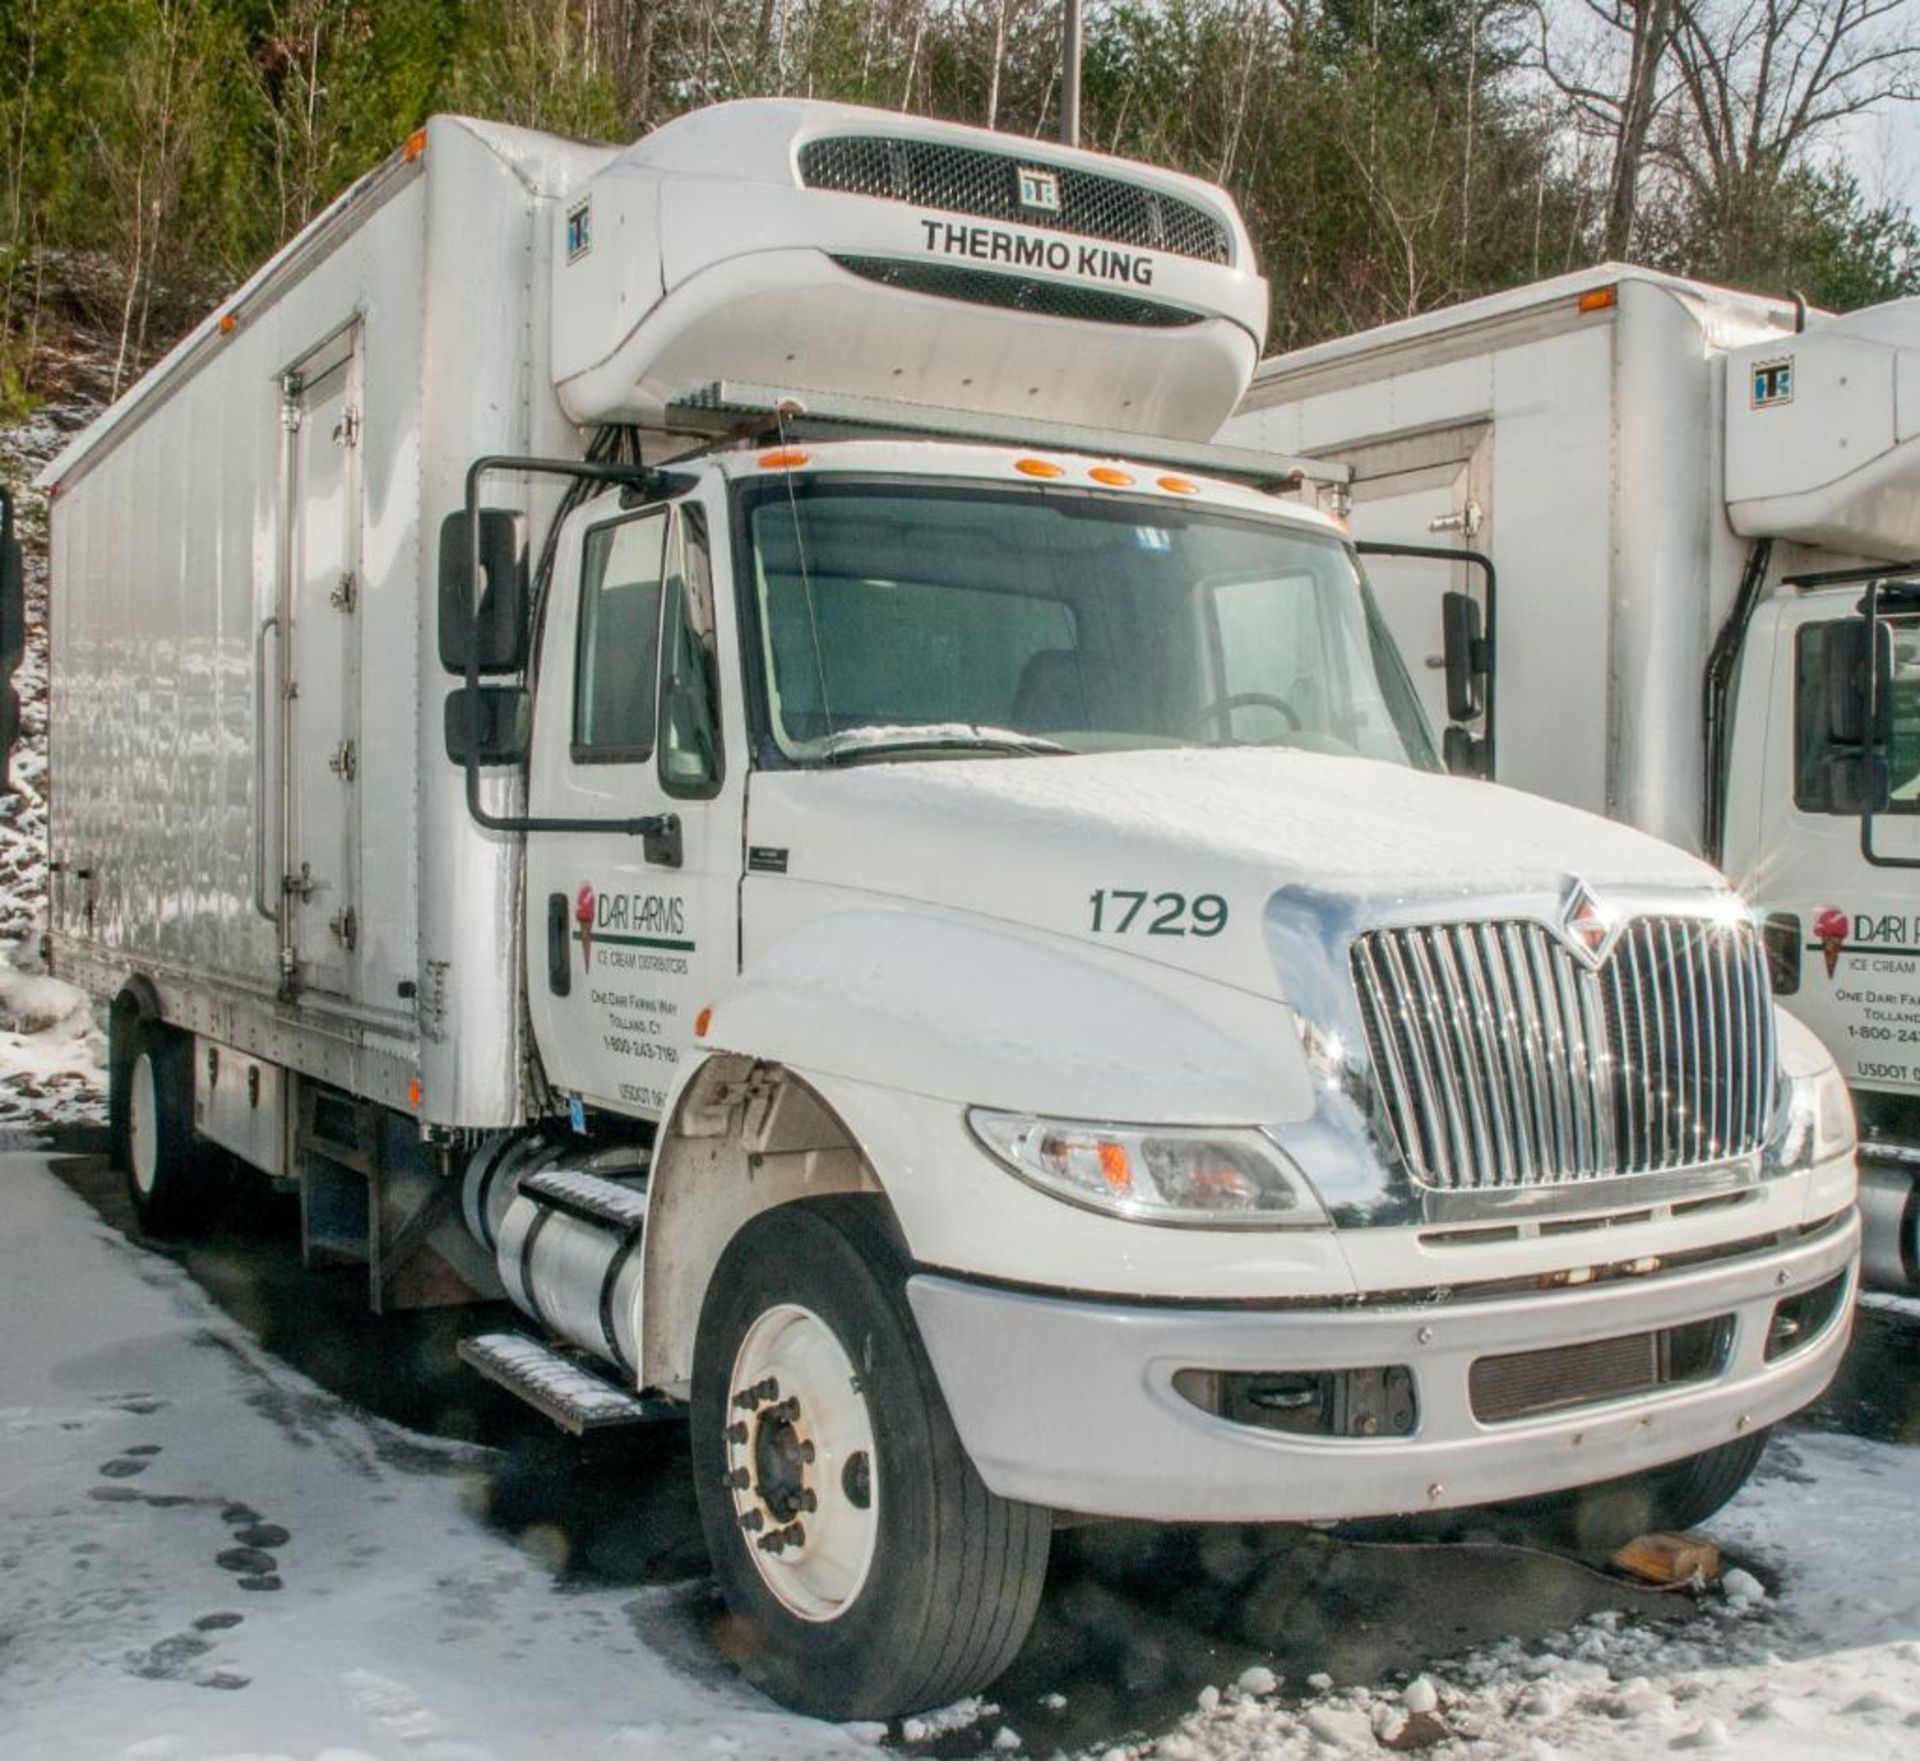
[579, 230]
[1772, 382]
[1039, 191]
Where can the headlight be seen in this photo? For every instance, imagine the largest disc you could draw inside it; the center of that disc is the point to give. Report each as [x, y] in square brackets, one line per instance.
[1818, 1122]
[1155, 1174]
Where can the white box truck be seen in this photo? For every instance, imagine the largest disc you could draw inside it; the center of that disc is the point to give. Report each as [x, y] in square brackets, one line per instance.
[1688, 497]
[689, 735]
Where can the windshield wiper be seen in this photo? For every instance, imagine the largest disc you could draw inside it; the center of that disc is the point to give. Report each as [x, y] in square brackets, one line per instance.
[857, 745]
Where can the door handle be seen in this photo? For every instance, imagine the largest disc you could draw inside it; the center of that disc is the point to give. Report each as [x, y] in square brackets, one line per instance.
[559, 964]
[270, 910]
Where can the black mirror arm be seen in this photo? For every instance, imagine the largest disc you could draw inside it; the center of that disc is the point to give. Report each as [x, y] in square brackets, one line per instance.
[660, 830]
[1477, 559]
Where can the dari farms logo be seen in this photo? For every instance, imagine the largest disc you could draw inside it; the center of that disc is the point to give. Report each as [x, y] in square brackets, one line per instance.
[628, 920]
[1836, 933]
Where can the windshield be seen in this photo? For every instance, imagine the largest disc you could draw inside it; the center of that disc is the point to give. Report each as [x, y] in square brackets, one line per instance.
[908, 620]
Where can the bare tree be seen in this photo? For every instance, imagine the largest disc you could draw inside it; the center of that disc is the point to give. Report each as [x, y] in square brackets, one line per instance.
[1717, 98]
[1766, 79]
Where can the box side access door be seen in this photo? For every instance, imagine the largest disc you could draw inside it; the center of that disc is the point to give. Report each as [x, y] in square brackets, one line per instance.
[1425, 489]
[320, 682]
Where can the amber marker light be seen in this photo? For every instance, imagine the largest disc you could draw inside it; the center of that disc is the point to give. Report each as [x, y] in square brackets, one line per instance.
[1039, 468]
[701, 1023]
[229, 322]
[787, 458]
[1178, 485]
[1112, 476]
[416, 145]
[1598, 299]
[413, 1094]
[1115, 1169]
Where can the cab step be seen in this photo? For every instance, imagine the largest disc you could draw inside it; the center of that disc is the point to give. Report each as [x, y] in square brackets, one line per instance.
[589, 1197]
[575, 1397]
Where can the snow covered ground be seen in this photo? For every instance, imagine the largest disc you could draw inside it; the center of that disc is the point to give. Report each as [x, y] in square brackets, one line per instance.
[204, 1555]
[201, 1554]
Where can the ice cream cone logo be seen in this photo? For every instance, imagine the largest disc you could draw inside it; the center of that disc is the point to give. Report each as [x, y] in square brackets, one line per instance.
[1830, 931]
[583, 915]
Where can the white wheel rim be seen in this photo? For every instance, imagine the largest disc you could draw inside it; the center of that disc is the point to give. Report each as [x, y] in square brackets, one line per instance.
[143, 1126]
[809, 1520]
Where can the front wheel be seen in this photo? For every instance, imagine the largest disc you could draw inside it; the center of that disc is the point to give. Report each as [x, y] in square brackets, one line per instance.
[1676, 1497]
[868, 1569]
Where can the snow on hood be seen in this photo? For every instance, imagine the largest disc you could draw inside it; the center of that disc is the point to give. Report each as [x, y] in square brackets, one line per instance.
[1030, 840]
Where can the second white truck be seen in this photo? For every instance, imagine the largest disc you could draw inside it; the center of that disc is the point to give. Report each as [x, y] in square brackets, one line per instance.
[693, 735]
[1690, 496]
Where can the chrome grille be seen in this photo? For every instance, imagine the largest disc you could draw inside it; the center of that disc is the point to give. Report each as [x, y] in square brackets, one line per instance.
[1506, 1061]
[972, 180]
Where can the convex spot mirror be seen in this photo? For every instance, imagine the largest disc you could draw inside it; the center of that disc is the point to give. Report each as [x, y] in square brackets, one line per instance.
[493, 721]
[495, 630]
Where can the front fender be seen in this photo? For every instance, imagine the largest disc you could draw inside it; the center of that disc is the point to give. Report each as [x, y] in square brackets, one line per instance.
[984, 1013]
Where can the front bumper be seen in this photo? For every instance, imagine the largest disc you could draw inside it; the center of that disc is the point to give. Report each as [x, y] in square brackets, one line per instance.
[1071, 1404]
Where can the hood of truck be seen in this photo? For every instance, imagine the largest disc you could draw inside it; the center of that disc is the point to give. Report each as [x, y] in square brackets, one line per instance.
[1173, 856]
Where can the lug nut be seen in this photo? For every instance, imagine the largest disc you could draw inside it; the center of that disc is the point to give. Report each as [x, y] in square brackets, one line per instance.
[737, 1432]
[737, 1481]
[752, 1521]
[809, 1501]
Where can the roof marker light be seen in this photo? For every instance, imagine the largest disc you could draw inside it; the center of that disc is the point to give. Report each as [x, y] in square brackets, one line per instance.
[1112, 476]
[1599, 299]
[785, 458]
[1039, 468]
[416, 145]
[229, 321]
[1178, 485]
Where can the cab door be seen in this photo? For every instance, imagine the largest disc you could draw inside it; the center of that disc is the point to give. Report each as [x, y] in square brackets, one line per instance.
[629, 938]
[1849, 928]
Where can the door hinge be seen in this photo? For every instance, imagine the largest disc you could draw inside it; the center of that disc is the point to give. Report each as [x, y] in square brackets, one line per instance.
[301, 885]
[291, 414]
[346, 431]
[346, 593]
[345, 927]
[344, 761]
[1466, 521]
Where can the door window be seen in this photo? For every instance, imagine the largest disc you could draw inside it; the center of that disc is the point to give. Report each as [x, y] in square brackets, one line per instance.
[690, 759]
[1814, 749]
[619, 652]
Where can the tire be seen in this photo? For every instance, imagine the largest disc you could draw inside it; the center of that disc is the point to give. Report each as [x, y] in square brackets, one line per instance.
[169, 1177]
[927, 1589]
[1676, 1497]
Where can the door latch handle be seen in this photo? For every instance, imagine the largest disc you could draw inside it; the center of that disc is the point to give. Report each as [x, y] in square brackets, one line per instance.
[559, 961]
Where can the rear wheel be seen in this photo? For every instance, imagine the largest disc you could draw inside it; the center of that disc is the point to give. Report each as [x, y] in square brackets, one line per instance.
[167, 1168]
[868, 1569]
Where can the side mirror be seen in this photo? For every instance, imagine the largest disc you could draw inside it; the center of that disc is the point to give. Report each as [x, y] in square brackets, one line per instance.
[1466, 656]
[495, 723]
[494, 629]
[13, 635]
[1846, 680]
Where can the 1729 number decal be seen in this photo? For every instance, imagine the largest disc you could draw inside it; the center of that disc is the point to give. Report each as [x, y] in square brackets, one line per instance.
[1119, 911]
